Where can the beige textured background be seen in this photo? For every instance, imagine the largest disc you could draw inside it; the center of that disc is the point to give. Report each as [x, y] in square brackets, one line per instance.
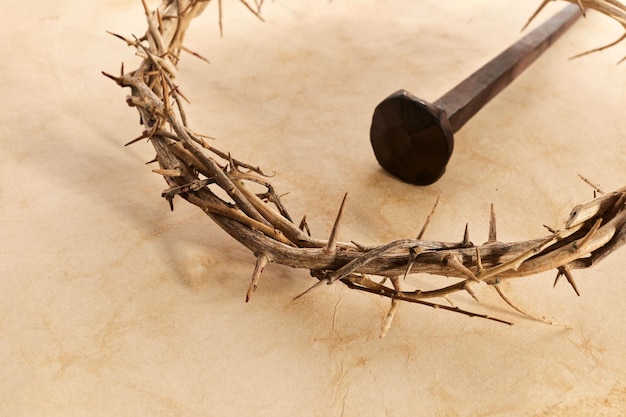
[112, 305]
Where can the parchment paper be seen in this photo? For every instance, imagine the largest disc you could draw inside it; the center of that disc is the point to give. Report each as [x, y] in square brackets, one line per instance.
[112, 305]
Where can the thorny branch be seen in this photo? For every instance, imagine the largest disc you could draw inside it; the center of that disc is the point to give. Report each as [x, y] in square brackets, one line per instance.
[611, 8]
[195, 170]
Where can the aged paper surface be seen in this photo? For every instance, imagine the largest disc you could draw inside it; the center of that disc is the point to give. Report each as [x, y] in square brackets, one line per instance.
[112, 305]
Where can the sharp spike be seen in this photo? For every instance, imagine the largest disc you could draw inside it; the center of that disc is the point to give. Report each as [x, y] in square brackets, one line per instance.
[455, 262]
[601, 48]
[525, 313]
[567, 272]
[137, 139]
[389, 317]
[593, 185]
[155, 159]
[539, 9]
[551, 230]
[304, 226]
[445, 297]
[128, 41]
[582, 9]
[311, 288]
[467, 288]
[231, 163]
[168, 172]
[118, 80]
[332, 240]
[432, 211]
[197, 55]
[559, 274]
[359, 246]
[466, 240]
[492, 226]
[261, 262]
[412, 258]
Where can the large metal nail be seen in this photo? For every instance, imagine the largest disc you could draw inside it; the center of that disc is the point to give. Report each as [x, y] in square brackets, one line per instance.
[413, 139]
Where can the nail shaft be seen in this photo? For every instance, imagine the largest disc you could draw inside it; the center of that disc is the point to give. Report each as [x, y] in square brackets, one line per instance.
[470, 95]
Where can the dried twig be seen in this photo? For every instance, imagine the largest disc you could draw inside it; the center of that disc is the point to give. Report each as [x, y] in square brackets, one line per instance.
[611, 8]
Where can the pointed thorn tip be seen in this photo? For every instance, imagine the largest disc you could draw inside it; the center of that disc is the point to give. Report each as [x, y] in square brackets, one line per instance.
[331, 246]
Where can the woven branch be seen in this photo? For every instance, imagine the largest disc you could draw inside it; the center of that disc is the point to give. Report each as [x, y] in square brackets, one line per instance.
[195, 171]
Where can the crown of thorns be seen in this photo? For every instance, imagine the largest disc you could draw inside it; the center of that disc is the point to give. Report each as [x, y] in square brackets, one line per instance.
[195, 170]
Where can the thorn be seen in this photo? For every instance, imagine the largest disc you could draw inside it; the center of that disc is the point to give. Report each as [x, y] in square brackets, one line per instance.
[466, 241]
[412, 258]
[118, 80]
[145, 8]
[492, 226]
[252, 10]
[155, 159]
[317, 284]
[467, 288]
[582, 9]
[551, 230]
[595, 186]
[176, 90]
[565, 270]
[432, 211]
[331, 247]
[601, 48]
[128, 41]
[261, 262]
[304, 226]
[360, 247]
[231, 163]
[454, 262]
[389, 317]
[168, 172]
[137, 139]
[539, 9]
[197, 55]
[525, 313]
